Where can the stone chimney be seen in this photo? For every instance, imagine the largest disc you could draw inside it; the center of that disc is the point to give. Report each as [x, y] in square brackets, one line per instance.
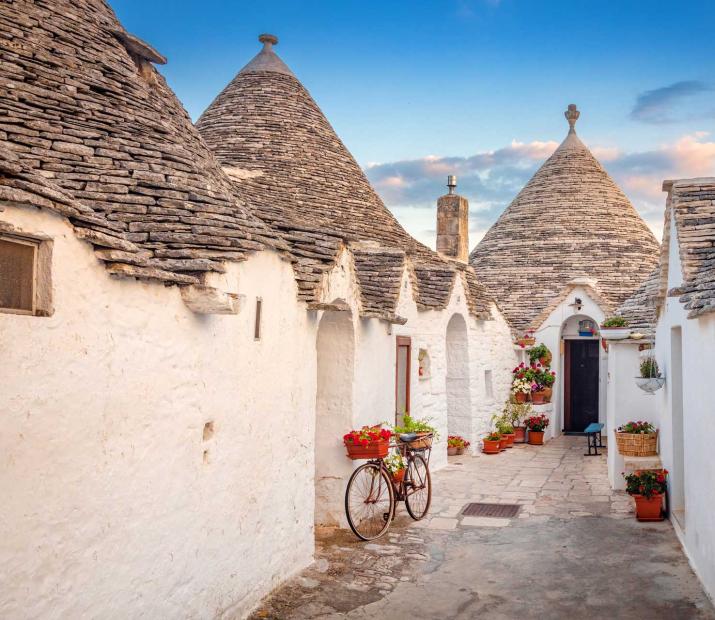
[453, 223]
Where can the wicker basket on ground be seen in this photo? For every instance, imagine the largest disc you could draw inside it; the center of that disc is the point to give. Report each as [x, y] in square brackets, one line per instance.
[637, 444]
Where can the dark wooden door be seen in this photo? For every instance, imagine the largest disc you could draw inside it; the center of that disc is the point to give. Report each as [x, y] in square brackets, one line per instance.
[581, 384]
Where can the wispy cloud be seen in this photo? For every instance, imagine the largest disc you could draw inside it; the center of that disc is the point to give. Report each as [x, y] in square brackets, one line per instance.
[665, 104]
[491, 179]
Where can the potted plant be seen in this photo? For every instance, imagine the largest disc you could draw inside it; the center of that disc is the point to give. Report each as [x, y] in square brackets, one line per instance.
[521, 390]
[536, 425]
[370, 442]
[396, 466]
[650, 380]
[515, 413]
[491, 443]
[463, 448]
[637, 439]
[505, 429]
[647, 489]
[615, 328]
[424, 431]
[541, 354]
[453, 443]
[527, 340]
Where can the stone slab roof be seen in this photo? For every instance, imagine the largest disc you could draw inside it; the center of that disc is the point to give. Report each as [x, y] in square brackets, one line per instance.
[692, 204]
[282, 154]
[570, 221]
[640, 308]
[90, 129]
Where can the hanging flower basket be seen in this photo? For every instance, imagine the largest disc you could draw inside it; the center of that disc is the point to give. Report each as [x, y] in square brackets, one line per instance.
[650, 384]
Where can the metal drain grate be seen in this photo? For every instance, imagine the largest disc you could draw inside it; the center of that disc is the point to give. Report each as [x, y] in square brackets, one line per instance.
[505, 511]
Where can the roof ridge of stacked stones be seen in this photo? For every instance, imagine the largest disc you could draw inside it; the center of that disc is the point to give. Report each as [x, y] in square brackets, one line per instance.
[570, 220]
[90, 130]
[285, 158]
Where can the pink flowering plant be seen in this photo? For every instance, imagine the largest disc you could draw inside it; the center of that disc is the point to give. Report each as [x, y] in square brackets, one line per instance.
[637, 428]
[537, 375]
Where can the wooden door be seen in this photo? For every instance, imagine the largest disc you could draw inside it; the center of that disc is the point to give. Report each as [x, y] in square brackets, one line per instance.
[581, 362]
[402, 378]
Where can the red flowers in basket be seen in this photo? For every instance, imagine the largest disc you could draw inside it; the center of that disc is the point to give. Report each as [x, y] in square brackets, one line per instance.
[366, 435]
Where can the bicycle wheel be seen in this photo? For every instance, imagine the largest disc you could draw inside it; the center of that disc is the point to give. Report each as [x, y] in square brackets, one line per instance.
[418, 487]
[369, 501]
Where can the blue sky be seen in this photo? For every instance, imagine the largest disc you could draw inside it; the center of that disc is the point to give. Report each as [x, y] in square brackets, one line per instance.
[416, 88]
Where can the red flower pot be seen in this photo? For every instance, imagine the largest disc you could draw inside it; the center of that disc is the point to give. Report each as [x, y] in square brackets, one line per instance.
[538, 398]
[536, 438]
[519, 434]
[503, 443]
[451, 450]
[491, 447]
[373, 450]
[398, 476]
[649, 508]
[520, 397]
[510, 439]
[548, 393]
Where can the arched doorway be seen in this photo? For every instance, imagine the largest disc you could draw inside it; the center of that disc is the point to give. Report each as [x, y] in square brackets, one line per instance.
[334, 412]
[459, 416]
[581, 373]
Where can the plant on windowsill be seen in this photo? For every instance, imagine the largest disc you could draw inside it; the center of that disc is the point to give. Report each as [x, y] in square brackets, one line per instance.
[396, 466]
[536, 425]
[370, 442]
[491, 444]
[541, 354]
[650, 380]
[615, 328]
[637, 439]
[516, 413]
[647, 488]
[424, 432]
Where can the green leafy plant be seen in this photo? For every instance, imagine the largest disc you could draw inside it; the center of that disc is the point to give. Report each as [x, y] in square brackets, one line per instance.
[538, 352]
[647, 483]
[502, 424]
[544, 377]
[493, 437]
[410, 425]
[615, 321]
[516, 412]
[649, 368]
[537, 423]
[637, 428]
[456, 441]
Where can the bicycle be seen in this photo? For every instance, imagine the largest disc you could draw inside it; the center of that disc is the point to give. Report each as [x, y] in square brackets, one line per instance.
[372, 494]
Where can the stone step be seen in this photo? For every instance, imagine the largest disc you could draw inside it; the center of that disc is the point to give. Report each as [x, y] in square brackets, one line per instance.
[633, 463]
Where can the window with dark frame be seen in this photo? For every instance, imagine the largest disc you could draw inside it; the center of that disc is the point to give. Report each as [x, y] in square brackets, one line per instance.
[257, 325]
[18, 274]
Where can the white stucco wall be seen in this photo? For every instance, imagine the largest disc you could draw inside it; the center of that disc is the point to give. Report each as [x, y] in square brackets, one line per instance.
[697, 470]
[115, 505]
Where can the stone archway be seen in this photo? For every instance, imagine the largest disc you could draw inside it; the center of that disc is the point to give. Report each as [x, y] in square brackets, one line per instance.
[459, 415]
[334, 413]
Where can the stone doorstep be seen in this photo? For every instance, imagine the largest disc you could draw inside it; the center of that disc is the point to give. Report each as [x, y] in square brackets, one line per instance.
[632, 463]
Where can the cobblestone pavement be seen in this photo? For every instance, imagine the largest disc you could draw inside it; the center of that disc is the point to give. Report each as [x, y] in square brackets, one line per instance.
[574, 550]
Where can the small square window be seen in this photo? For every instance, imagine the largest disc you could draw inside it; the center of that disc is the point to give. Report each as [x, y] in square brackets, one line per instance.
[18, 273]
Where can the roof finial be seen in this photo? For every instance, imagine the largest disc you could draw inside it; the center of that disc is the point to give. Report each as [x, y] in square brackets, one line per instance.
[572, 115]
[268, 40]
[451, 183]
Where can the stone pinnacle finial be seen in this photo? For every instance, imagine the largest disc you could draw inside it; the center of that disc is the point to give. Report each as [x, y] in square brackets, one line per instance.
[572, 115]
[268, 40]
[451, 183]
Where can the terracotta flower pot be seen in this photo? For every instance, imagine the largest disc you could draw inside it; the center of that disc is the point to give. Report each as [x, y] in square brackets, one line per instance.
[503, 443]
[536, 438]
[510, 437]
[548, 393]
[451, 450]
[491, 447]
[538, 397]
[545, 360]
[649, 508]
[460, 450]
[520, 434]
[398, 476]
[520, 397]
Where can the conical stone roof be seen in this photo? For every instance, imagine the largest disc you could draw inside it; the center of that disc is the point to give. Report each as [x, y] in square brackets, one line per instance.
[570, 221]
[283, 155]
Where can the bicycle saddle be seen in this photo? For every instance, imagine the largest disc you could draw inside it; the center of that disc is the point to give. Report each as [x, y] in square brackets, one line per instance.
[407, 437]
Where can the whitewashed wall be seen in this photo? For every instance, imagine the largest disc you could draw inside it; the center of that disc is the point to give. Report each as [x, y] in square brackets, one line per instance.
[697, 471]
[563, 322]
[115, 505]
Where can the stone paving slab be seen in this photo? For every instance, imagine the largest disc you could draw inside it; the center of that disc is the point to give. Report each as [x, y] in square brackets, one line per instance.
[574, 551]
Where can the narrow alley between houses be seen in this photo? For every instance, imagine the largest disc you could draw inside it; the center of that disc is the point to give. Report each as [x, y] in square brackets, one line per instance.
[574, 550]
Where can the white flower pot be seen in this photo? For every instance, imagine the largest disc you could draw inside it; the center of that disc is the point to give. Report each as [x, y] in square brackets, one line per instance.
[650, 384]
[615, 333]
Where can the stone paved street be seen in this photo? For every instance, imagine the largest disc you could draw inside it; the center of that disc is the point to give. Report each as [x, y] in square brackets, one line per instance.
[573, 551]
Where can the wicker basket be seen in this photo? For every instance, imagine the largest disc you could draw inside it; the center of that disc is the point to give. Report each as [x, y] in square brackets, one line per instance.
[424, 440]
[637, 444]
